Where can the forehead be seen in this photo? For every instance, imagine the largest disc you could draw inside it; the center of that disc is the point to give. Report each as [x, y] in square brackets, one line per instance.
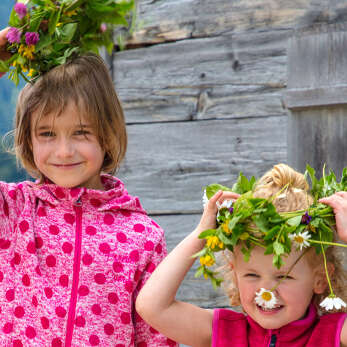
[259, 261]
[69, 115]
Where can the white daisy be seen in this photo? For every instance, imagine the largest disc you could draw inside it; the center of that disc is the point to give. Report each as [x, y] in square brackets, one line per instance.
[300, 239]
[204, 199]
[225, 204]
[265, 298]
[329, 303]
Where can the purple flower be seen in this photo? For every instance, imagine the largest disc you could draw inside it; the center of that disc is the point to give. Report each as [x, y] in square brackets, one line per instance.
[13, 35]
[306, 218]
[103, 27]
[231, 209]
[21, 10]
[31, 38]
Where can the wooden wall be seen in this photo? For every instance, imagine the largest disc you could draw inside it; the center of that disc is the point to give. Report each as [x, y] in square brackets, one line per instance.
[201, 85]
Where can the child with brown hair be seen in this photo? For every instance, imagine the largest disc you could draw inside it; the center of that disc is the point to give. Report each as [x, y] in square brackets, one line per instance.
[280, 303]
[75, 247]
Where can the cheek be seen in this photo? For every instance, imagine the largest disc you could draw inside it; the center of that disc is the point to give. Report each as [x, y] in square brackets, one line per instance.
[247, 291]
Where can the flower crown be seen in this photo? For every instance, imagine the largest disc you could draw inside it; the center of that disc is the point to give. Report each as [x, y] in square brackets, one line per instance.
[45, 33]
[251, 222]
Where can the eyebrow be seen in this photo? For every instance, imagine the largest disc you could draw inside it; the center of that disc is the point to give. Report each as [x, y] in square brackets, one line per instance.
[49, 127]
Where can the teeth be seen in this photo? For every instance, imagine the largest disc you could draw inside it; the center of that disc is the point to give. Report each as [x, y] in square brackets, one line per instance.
[269, 309]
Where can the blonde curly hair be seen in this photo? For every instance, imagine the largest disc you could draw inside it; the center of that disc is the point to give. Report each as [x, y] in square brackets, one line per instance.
[290, 190]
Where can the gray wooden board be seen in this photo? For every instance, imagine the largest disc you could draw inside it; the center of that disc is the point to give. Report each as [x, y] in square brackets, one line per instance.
[167, 164]
[317, 57]
[163, 20]
[226, 76]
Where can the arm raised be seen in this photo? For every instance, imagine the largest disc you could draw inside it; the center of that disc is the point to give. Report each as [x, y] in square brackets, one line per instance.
[156, 303]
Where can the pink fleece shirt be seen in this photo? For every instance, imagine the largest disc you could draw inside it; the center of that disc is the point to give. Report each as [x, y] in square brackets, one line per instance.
[237, 330]
[72, 262]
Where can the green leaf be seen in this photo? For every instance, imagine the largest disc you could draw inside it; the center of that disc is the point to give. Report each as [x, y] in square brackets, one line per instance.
[225, 239]
[14, 20]
[294, 221]
[53, 21]
[246, 253]
[212, 189]
[278, 248]
[206, 233]
[272, 233]
[199, 272]
[67, 32]
[277, 261]
[3, 66]
[243, 185]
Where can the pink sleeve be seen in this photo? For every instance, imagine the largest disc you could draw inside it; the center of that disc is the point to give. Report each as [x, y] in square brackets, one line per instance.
[11, 201]
[145, 335]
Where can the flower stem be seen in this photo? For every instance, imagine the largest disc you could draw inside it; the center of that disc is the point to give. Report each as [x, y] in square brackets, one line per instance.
[290, 269]
[326, 269]
[327, 243]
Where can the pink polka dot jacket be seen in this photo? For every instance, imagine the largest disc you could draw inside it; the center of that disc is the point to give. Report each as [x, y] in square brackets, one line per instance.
[72, 262]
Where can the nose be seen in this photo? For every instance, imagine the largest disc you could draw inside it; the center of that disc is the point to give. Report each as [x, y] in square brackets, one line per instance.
[64, 148]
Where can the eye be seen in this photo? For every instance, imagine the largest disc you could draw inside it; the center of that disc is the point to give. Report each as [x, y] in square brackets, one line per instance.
[82, 132]
[46, 134]
[251, 275]
[280, 277]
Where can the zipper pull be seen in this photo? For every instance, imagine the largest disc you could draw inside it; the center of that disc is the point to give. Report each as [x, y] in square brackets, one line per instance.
[78, 202]
[273, 341]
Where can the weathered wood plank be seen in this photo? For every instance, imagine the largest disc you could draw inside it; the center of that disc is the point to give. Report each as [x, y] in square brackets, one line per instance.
[228, 76]
[317, 79]
[197, 291]
[165, 20]
[317, 57]
[167, 164]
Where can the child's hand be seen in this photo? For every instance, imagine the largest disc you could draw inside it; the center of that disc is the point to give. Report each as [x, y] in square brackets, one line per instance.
[3, 40]
[208, 219]
[338, 202]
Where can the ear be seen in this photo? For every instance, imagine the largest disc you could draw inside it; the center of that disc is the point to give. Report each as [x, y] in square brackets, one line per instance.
[320, 280]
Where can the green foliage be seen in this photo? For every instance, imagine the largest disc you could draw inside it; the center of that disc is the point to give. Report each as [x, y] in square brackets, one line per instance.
[255, 222]
[66, 28]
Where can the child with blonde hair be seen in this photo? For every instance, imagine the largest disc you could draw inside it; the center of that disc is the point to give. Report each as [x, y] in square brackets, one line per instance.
[75, 247]
[280, 302]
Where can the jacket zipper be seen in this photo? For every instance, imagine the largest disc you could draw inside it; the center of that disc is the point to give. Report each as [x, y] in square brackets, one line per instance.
[273, 340]
[76, 272]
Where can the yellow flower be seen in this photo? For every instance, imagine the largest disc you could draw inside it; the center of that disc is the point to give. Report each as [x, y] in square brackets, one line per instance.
[244, 236]
[226, 229]
[27, 51]
[206, 260]
[24, 69]
[213, 241]
[31, 72]
[59, 24]
[71, 13]
[312, 228]
[14, 64]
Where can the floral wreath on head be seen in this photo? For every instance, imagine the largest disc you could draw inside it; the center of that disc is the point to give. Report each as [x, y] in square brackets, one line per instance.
[251, 222]
[46, 33]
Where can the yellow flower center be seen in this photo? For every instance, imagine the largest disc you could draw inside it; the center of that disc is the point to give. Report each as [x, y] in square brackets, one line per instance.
[266, 296]
[299, 239]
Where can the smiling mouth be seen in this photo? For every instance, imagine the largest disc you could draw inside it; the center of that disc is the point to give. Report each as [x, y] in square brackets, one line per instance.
[274, 309]
[66, 165]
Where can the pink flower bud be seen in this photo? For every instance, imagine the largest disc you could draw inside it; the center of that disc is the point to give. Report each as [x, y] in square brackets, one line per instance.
[21, 10]
[31, 38]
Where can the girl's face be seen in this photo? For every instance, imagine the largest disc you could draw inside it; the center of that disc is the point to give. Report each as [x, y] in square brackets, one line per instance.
[294, 293]
[66, 149]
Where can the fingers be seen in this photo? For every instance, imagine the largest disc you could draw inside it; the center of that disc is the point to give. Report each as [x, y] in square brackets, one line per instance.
[3, 38]
[336, 201]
